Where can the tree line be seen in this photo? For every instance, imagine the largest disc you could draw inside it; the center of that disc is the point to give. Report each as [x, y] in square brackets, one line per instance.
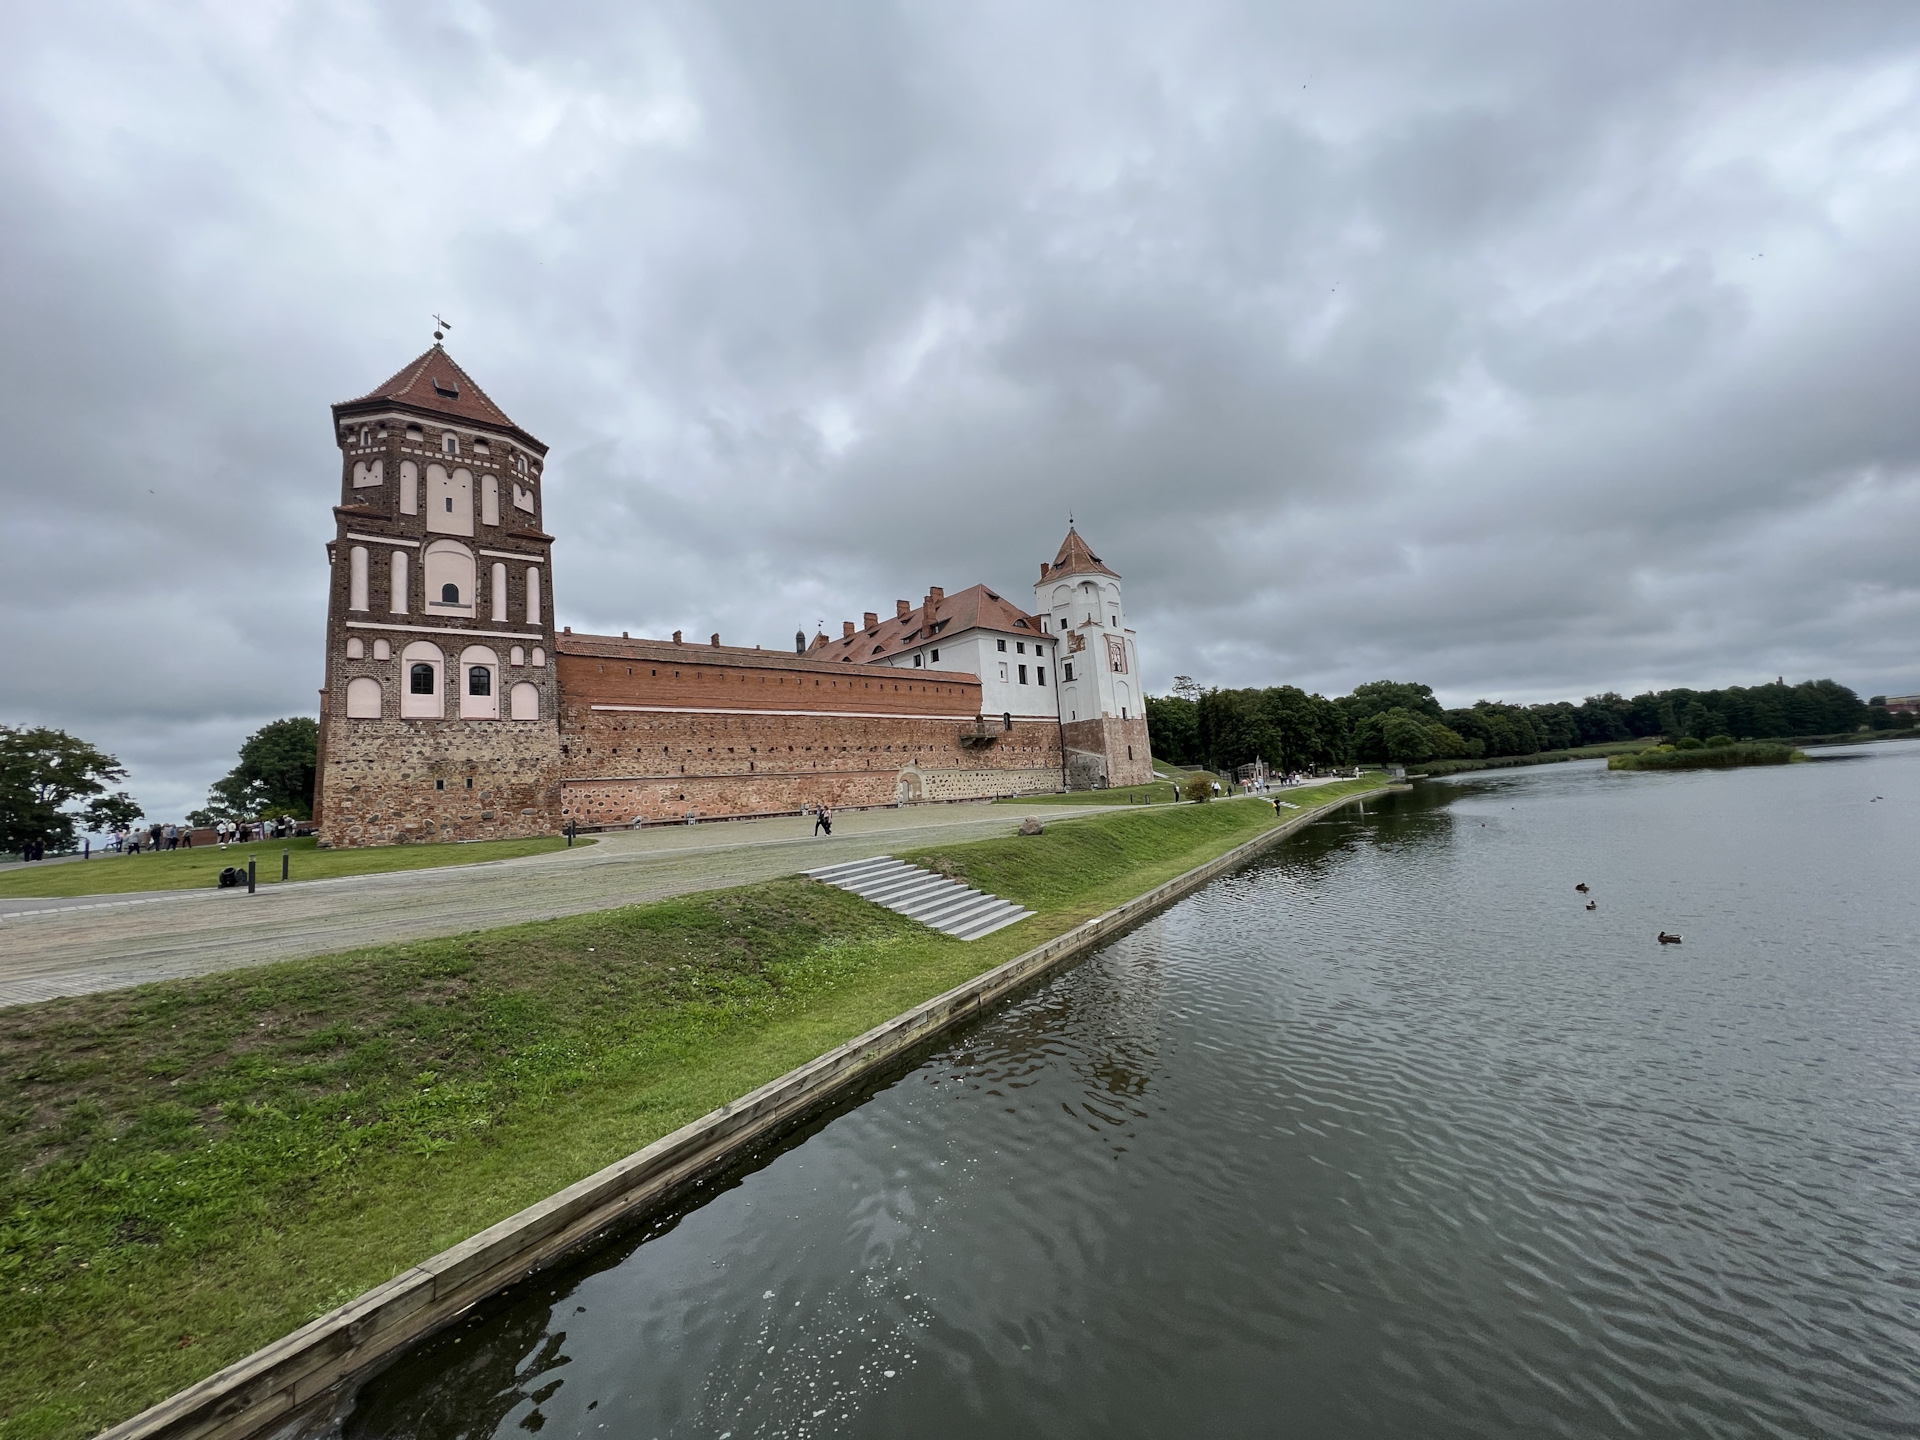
[1401, 722]
[55, 786]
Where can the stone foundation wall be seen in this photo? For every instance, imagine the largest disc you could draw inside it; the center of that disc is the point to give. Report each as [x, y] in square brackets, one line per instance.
[1123, 746]
[392, 782]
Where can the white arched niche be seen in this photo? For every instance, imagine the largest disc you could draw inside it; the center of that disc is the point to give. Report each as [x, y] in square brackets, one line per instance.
[448, 567]
[409, 488]
[363, 698]
[526, 701]
[479, 684]
[449, 500]
[499, 595]
[490, 500]
[422, 682]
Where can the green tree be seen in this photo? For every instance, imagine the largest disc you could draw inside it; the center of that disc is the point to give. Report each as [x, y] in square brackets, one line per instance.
[275, 775]
[1378, 696]
[42, 773]
[1173, 727]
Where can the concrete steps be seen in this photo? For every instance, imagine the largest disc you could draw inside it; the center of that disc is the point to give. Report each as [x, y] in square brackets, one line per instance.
[936, 902]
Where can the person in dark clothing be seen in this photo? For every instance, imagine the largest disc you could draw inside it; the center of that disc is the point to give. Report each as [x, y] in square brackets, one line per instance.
[823, 820]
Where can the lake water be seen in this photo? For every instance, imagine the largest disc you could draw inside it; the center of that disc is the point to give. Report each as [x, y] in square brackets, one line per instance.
[1386, 1135]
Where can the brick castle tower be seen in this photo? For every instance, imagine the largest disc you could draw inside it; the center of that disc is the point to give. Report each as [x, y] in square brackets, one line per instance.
[440, 715]
[1102, 721]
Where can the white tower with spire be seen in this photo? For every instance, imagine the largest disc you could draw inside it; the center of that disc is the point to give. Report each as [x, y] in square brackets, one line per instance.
[1101, 715]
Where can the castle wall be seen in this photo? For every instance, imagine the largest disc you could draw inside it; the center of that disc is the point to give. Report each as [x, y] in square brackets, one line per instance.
[1122, 744]
[398, 781]
[653, 732]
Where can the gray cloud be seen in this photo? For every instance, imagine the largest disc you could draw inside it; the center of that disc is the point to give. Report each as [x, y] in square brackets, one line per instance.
[1528, 350]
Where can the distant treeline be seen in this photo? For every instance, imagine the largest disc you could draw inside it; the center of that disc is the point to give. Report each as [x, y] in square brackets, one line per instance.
[1390, 720]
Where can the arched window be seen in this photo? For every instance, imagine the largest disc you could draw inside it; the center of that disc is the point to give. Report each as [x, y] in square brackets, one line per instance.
[366, 434]
[356, 648]
[449, 567]
[382, 650]
[539, 661]
[357, 578]
[449, 443]
[480, 684]
[526, 701]
[421, 696]
[517, 655]
[363, 699]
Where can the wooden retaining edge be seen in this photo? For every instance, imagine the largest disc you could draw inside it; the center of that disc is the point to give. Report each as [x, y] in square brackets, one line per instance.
[311, 1370]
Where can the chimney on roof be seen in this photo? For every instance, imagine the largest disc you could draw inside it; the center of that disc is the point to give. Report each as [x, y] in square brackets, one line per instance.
[799, 642]
[676, 637]
[716, 638]
[566, 629]
[934, 596]
[873, 621]
[901, 609]
[846, 629]
[625, 636]
[1043, 569]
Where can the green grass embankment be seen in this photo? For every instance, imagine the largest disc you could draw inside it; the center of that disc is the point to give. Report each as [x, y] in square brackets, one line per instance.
[190, 1169]
[1707, 757]
[200, 867]
[1432, 768]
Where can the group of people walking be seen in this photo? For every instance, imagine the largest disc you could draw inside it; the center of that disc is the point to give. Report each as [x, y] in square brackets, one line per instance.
[165, 835]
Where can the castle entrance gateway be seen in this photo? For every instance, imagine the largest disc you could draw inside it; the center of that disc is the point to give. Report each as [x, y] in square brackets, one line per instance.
[910, 788]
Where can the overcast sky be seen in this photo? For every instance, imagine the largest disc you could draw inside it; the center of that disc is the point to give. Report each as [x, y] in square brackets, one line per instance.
[1530, 350]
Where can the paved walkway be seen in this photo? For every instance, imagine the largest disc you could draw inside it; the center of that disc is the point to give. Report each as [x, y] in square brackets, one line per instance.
[75, 946]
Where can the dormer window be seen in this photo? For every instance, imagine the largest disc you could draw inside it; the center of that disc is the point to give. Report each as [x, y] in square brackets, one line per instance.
[448, 388]
[1023, 624]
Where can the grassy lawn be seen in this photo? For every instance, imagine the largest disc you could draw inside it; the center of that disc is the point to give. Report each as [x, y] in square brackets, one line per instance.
[1160, 792]
[192, 1168]
[198, 868]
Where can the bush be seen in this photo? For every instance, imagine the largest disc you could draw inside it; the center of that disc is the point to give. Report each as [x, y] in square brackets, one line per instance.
[1200, 789]
[1719, 742]
[1686, 742]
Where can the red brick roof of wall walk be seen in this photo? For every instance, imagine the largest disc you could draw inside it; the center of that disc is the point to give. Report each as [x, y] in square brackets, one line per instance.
[976, 608]
[434, 384]
[1075, 558]
[593, 670]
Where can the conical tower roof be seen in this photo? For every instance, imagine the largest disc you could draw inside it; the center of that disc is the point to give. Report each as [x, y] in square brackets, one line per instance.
[1076, 559]
[434, 384]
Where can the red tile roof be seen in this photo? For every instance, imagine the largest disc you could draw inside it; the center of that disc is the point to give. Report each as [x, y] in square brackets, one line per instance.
[1076, 559]
[976, 608]
[434, 384]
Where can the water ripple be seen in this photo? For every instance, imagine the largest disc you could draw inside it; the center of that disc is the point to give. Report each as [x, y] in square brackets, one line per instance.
[1385, 1135]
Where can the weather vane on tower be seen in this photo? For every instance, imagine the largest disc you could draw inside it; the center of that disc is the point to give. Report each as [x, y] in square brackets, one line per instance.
[440, 327]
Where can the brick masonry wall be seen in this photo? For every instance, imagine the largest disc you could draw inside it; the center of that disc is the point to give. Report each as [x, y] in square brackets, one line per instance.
[498, 780]
[622, 766]
[1112, 739]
